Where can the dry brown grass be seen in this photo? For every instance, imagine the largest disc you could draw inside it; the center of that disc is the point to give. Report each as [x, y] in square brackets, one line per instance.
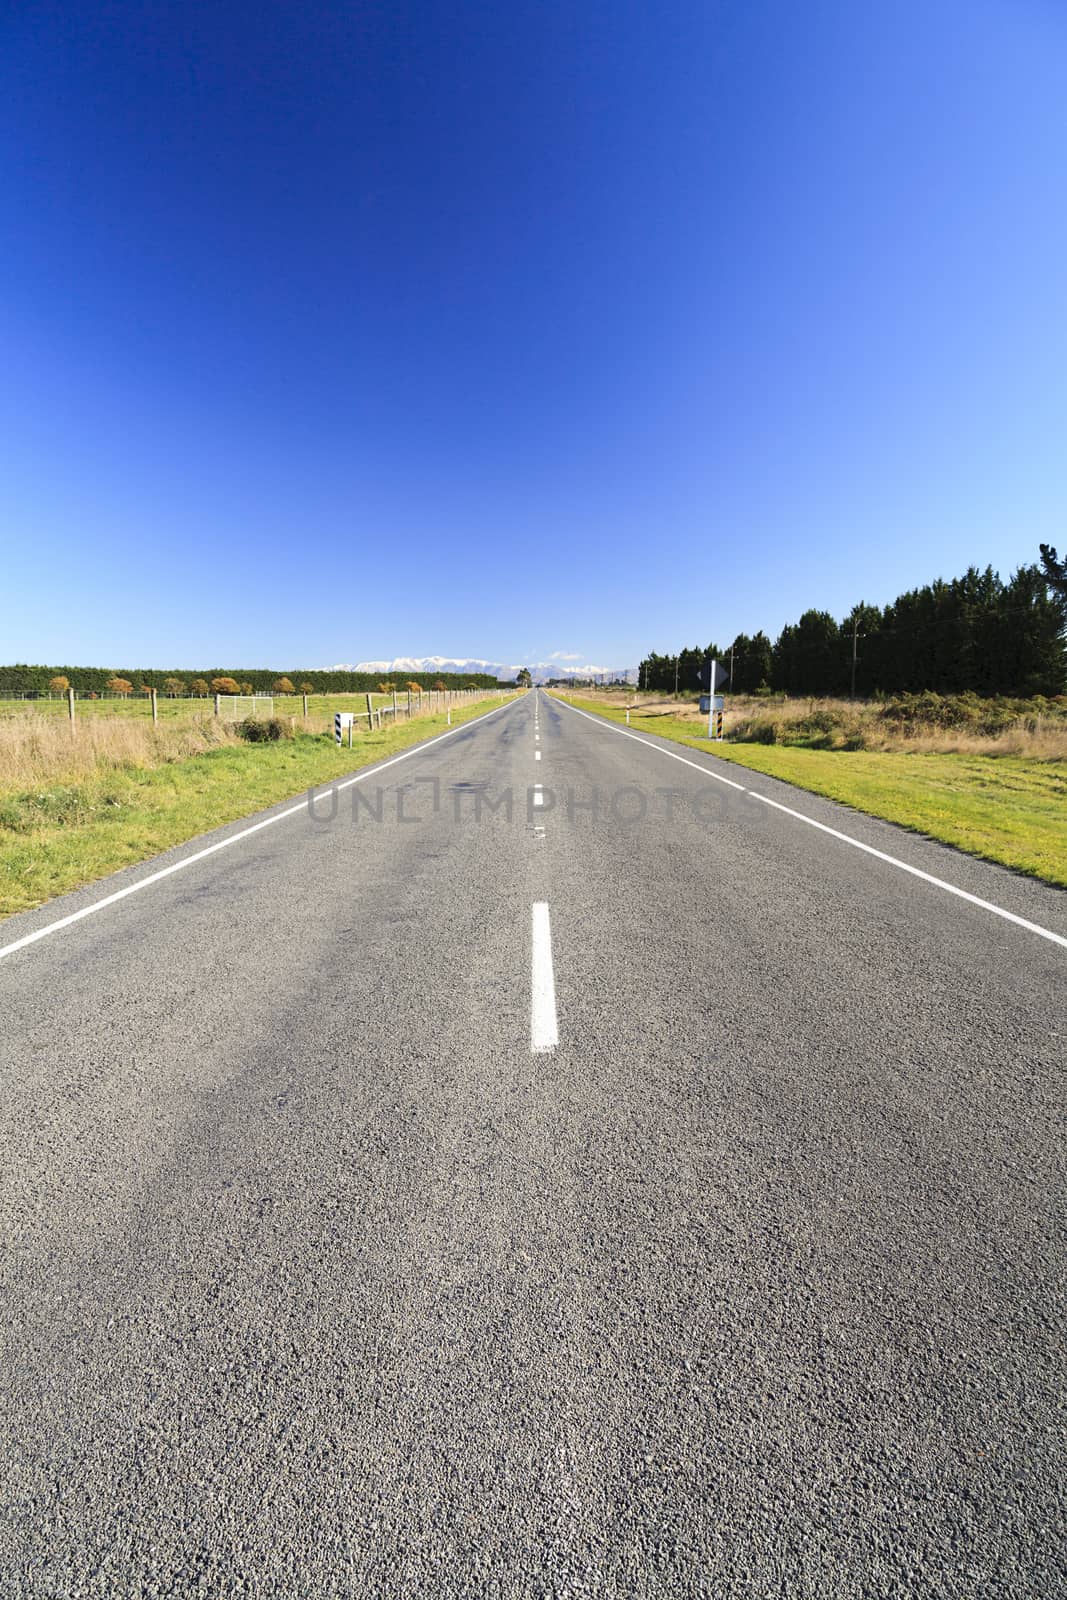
[37, 750]
[1034, 730]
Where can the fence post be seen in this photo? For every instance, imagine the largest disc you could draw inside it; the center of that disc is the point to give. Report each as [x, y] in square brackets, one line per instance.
[370, 714]
[155, 707]
[394, 707]
[305, 707]
[218, 706]
[70, 703]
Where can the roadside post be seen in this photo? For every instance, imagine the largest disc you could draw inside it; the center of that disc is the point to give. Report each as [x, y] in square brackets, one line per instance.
[712, 677]
[70, 704]
[341, 721]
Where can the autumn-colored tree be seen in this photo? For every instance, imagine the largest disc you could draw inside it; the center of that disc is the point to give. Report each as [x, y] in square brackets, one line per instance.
[120, 685]
[59, 684]
[414, 688]
[307, 688]
[201, 686]
[93, 695]
[146, 688]
[440, 684]
[246, 688]
[283, 686]
[226, 686]
[386, 688]
[174, 686]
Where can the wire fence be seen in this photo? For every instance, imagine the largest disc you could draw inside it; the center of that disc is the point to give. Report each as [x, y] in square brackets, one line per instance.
[314, 713]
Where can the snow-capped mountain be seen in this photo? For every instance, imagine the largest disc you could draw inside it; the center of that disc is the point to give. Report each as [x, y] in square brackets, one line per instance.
[540, 671]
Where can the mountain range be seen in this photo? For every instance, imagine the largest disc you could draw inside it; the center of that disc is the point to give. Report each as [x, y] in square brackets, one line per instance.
[540, 671]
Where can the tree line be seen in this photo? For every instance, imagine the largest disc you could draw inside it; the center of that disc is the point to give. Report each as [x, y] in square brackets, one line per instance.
[33, 680]
[976, 633]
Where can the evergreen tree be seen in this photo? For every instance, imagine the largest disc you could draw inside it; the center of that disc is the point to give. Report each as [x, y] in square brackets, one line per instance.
[1055, 570]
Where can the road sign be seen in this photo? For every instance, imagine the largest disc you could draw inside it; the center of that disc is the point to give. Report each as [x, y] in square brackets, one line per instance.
[716, 677]
[722, 676]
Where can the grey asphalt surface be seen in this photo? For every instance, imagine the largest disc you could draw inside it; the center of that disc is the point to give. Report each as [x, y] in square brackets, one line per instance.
[316, 1281]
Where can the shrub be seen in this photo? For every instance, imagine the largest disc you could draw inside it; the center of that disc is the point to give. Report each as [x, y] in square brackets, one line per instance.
[59, 684]
[201, 687]
[174, 687]
[264, 730]
[283, 686]
[226, 686]
[759, 730]
[817, 729]
[119, 685]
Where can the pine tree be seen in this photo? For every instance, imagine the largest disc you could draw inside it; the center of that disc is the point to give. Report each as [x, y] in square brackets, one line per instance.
[1055, 570]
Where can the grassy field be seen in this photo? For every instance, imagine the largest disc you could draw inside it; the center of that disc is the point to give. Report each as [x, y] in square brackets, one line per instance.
[138, 707]
[917, 723]
[75, 808]
[1005, 808]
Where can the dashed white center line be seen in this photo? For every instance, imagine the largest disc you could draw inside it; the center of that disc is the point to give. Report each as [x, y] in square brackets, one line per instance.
[537, 755]
[538, 795]
[544, 1029]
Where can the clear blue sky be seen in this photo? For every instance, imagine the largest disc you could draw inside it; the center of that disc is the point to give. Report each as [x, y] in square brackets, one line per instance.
[340, 331]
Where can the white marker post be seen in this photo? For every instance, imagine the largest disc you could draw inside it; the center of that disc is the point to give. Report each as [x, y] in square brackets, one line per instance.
[716, 705]
[342, 720]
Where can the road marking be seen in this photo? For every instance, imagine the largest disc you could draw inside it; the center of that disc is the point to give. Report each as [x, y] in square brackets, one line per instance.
[544, 1030]
[845, 838]
[538, 796]
[601, 723]
[537, 755]
[916, 872]
[234, 838]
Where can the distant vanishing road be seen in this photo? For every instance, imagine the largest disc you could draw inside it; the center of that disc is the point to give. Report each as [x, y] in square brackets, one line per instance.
[648, 1194]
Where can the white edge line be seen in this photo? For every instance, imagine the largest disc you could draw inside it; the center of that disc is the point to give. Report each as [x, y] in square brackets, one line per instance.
[604, 723]
[233, 838]
[916, 872]
[857, 844]
[544, 1028]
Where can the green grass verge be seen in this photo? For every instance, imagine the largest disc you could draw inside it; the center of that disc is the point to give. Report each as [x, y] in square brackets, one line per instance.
[62, 836]
[1002, 808]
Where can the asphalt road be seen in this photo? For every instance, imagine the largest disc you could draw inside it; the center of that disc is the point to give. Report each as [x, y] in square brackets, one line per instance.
[367, 1231]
